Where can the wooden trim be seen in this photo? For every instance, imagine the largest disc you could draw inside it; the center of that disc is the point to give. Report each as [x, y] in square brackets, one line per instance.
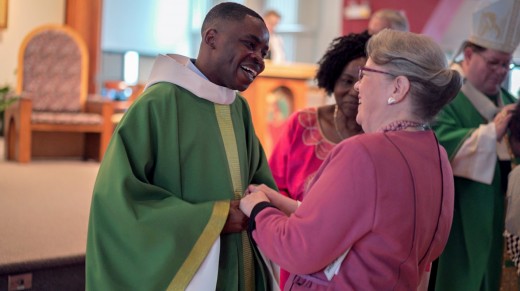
[301, 71]
[66, 127]
[84, 16]
[4, 15]
[18, 130]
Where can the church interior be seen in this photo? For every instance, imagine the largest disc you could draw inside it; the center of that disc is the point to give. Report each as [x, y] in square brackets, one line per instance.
[47, 173]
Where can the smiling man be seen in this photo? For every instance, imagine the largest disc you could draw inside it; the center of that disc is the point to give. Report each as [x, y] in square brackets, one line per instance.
[165, 211]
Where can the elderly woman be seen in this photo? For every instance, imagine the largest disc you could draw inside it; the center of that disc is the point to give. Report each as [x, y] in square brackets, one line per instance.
[311, 133]
[380, 207]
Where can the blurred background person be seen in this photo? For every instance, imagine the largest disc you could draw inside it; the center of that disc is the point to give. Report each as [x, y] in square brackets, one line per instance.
[380, 207]
[311, 133]
[276, 48]
[388, 18]
[471, 128]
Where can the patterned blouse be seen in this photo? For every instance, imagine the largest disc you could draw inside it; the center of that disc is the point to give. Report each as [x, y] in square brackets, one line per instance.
[299, 153]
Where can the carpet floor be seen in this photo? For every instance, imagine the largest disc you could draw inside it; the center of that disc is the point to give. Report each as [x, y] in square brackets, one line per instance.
[44, 208]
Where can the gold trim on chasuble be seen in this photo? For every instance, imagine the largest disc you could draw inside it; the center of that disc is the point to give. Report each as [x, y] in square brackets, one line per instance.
[228, 137]
[201, 248]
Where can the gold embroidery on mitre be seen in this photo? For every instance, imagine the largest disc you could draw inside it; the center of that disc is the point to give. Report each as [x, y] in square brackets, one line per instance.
[488, 22]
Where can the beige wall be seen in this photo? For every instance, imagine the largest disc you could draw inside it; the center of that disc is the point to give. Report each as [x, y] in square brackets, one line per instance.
[23, 16]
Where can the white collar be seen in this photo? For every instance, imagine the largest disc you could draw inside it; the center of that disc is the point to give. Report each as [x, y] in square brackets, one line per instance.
[175, 69]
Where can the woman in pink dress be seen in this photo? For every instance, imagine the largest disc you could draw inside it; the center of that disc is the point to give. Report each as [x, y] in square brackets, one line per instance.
[380, 207]
[311, 133]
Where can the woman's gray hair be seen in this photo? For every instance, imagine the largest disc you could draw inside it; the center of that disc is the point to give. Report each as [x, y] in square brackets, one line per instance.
[422, 61]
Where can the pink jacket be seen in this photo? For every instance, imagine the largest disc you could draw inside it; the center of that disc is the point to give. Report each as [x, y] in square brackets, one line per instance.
[382, 197]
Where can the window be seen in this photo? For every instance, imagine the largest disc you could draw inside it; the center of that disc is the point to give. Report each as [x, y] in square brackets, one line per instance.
[173, 26]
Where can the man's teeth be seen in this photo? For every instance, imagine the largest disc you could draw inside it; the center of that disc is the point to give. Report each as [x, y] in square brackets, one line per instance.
[252, 72]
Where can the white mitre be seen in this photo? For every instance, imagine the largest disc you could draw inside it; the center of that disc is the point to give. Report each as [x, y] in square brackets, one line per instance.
[496, 25]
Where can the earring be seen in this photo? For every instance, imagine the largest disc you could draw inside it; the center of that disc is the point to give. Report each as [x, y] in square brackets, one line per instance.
[391, 101]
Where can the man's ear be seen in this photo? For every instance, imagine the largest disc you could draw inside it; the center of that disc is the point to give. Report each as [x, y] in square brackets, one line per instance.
[210, 36]
[468, 53]
[401, 88]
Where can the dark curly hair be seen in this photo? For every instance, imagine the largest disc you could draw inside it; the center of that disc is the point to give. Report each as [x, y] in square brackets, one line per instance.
[341, 51]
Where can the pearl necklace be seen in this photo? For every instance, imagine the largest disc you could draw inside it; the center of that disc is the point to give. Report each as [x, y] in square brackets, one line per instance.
[404, 124]
[336, 124]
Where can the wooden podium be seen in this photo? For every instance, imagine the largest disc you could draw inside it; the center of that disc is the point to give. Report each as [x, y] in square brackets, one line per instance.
[277, 92]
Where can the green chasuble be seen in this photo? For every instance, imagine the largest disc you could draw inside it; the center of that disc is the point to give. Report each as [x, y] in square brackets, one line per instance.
[472, 257]
[162, 194]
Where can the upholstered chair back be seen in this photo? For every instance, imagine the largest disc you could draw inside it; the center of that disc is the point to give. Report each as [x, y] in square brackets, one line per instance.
[54, 76]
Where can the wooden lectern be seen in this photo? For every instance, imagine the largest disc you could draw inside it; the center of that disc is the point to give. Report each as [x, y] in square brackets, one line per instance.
[278, 91]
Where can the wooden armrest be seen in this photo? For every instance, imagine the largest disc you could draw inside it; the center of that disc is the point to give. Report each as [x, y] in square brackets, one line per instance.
[21, 106]
[97, 98]
[20, 113]
[102, 106]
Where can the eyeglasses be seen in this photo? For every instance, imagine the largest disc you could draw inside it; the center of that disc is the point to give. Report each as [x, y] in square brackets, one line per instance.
[495, 64]
[361, 69]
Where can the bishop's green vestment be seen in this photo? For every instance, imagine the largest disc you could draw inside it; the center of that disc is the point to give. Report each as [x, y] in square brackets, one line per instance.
[163, 190]
[472, 257]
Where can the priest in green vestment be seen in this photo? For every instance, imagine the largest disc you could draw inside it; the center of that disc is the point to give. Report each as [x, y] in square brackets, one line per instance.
[472, 129]
[164, 213]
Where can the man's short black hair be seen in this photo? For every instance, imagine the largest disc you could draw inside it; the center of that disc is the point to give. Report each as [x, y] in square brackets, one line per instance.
[227, 11]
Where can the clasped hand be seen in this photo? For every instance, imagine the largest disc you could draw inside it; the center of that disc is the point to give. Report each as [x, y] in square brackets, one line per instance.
[258, 193]
[239, 213]
[253, 196]
[502, 119]
[240, 210]
[236, 220]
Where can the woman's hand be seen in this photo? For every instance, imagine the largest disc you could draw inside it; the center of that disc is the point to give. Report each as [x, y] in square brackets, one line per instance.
[284, 203]
[248, 202]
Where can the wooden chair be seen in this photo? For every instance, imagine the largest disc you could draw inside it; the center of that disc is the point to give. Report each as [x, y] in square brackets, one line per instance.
[54, 118]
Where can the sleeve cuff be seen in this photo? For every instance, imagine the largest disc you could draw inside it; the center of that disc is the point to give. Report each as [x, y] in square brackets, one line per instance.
[258, 207]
